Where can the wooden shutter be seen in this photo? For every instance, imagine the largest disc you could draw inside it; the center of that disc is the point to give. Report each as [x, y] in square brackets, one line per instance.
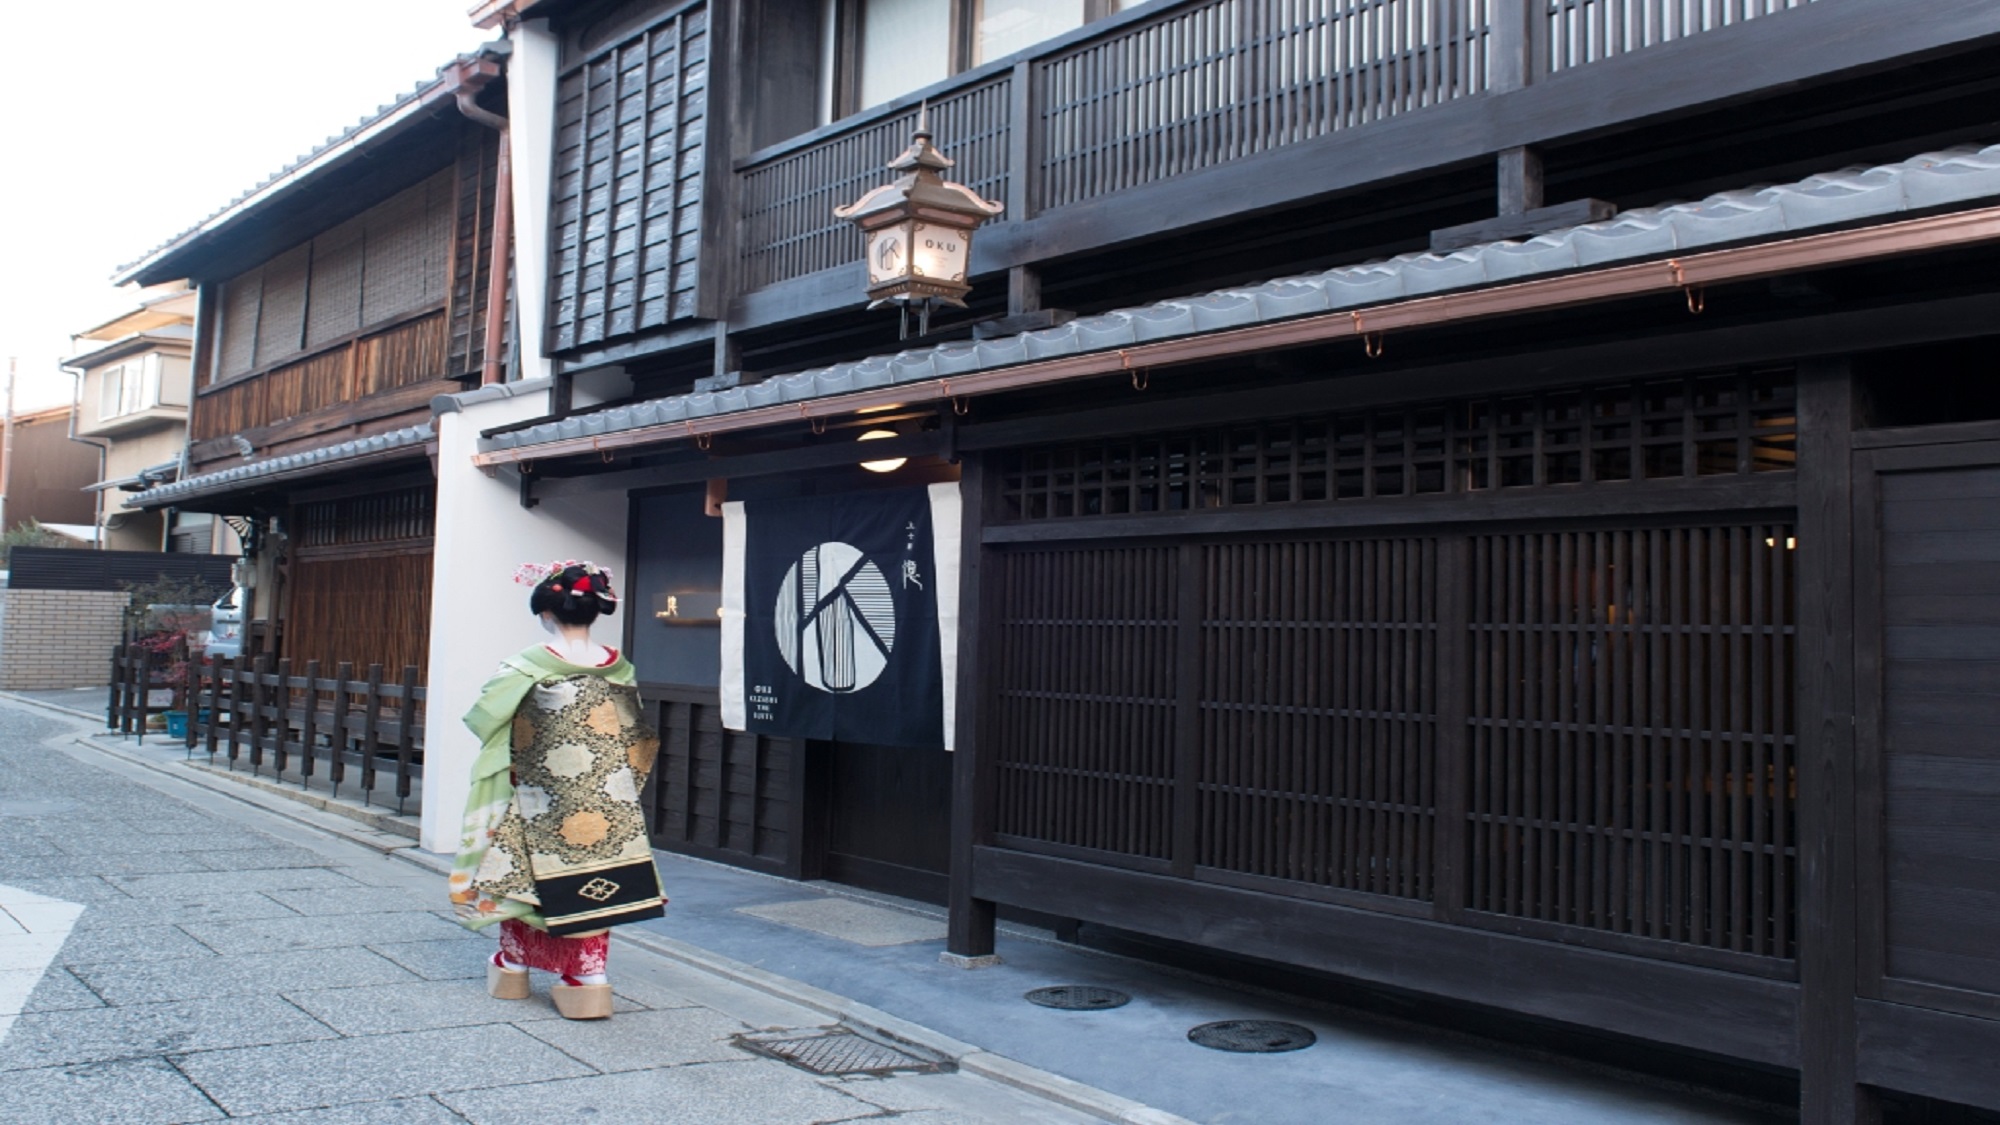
[241, 297]
[335, 310]
[395, 259]
[626, 205]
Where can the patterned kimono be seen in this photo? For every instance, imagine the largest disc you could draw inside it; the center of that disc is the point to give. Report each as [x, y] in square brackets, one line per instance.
[555, 842]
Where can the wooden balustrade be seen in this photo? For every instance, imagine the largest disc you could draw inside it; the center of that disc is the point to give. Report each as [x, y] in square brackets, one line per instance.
[407, 353]
[1587, 31]
[1195, 85]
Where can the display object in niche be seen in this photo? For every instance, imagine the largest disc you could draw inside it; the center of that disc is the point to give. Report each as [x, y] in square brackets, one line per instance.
[688, 607]
[831, 616]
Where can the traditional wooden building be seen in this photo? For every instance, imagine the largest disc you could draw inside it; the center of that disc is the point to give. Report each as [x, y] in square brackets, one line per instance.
[1400, 540]
[336, 300]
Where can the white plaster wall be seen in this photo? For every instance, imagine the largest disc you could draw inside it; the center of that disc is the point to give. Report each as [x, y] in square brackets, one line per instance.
[531, 116]
[478, 614]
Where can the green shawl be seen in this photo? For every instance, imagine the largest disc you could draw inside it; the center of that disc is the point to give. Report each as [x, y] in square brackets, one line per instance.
[491, 720]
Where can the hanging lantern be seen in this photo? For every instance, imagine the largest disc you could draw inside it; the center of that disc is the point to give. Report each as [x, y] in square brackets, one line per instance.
[919, 231]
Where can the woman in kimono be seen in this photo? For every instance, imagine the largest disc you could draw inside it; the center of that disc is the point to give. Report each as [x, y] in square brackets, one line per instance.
[554, 848]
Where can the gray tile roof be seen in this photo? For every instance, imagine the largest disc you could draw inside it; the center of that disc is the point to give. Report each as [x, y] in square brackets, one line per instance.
[252, 473]
[1954, 176]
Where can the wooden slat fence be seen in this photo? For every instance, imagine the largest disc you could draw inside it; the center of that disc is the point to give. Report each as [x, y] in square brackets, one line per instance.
[366, 731]
[720, 793]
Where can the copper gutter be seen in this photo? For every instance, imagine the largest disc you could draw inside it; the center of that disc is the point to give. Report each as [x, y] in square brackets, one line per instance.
[1689, 275]
[471, 83]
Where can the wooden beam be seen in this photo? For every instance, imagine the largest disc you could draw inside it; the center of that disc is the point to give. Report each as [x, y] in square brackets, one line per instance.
[1519, 180]
[1724, 1013]
[1830, 1085]
[825, 455]
[973, 796]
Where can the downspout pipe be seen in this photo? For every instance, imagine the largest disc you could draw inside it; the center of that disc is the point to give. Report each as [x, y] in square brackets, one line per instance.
[493, 369]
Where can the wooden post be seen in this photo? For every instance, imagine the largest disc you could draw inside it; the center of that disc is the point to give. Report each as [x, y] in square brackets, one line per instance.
[215, 673]
[258, 677]
[1829, 1089]
[117, 681]
[970, 930]
[1022, 150]
[1519, 184]
[309, 724]
[236, 704]
[406, 741]
[191, 705]
[1453, 747]
[343, 698]
[371, 718]
[281, 715]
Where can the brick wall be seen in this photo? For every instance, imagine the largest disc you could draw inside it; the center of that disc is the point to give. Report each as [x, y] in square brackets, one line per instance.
[58, 638]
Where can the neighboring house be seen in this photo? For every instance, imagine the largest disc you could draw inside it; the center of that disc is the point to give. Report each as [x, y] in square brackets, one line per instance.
[336, 300]
[45, 475]
[132, 403]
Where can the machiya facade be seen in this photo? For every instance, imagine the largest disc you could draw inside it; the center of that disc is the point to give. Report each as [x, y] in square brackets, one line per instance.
[1487, 501]
[333, 302]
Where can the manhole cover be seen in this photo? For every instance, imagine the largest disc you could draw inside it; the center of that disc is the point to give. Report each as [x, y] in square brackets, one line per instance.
[1261, 1036]
[839, 1051]
[1078, 997]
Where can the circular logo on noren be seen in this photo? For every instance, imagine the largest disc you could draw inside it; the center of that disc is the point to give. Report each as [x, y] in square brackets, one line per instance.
[835, 619]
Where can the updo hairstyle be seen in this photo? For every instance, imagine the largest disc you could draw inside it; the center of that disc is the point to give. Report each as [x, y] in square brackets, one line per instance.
[576, 594]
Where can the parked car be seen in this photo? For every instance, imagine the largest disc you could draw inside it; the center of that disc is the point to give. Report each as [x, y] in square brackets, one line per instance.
[225, 630]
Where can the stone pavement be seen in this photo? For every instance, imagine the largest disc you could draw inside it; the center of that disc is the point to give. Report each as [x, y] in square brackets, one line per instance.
[170, 953]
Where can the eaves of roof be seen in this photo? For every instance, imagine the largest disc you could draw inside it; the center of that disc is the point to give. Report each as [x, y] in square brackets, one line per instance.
[1852, 196]
[392, 446]
[177, 336]
[492, 13]
[388, 121]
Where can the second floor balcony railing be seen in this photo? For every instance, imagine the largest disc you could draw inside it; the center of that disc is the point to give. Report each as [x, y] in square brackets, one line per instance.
[1159, 93]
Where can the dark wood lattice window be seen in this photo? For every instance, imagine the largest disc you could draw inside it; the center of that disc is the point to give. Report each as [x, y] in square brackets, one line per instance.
[626, 205]
[1087, 693]
[1673, 428]
[1632, 735]
[1319, 700]
[1612, 705]
[365, 521]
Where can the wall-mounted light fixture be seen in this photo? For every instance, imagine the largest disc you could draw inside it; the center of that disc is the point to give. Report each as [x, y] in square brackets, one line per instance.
[886, 465]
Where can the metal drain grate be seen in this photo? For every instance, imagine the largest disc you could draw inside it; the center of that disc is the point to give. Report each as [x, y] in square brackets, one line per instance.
[839, 1050]
[1255, 1036]
[1078, 997]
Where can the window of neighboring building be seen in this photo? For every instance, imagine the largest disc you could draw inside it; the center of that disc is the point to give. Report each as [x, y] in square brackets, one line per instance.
[896, 46]
[110, 403]
[130, 387]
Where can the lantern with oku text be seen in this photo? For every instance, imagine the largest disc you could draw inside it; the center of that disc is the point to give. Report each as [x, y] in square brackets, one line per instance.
[919, 230]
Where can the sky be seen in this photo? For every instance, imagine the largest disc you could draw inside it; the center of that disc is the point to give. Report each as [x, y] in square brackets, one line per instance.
[124, 123]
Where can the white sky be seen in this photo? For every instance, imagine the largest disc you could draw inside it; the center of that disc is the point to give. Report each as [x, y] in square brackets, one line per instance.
[123, 123]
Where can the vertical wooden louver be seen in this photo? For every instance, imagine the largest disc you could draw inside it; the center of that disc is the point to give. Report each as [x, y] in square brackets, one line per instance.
[625, 214]
[1632, 732]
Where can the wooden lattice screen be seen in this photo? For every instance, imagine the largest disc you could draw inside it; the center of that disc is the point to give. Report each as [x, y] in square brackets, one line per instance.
[1661, 429]
[1281, 714]
[625, 210]
[1632, 733]
[719, 790]
[1087, 698]
[1319, 699]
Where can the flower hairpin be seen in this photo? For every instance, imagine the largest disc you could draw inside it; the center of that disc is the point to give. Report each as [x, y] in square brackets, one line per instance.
[595, 580]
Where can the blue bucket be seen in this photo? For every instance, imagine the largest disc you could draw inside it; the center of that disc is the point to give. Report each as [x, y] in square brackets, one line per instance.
[177, 724]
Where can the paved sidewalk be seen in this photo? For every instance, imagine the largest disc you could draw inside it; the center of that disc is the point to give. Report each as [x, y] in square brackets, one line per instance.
[218, 961]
